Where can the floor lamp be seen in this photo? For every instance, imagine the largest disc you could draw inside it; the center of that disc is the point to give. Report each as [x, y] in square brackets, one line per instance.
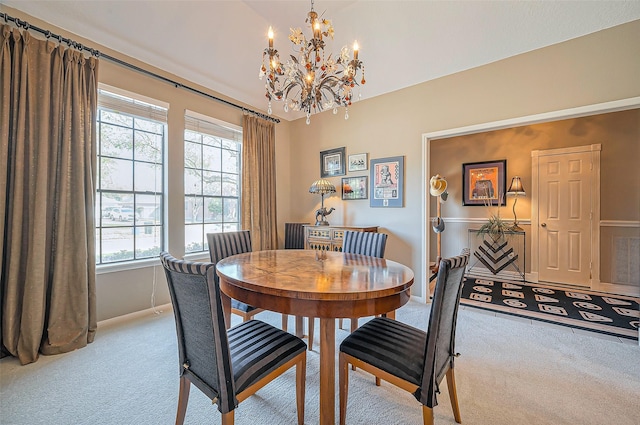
[515, 190]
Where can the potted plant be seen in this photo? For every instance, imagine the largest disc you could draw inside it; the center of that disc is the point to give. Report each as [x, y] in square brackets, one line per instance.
[496, 226]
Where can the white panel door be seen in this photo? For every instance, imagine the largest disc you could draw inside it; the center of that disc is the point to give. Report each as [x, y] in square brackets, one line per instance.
[564, 212]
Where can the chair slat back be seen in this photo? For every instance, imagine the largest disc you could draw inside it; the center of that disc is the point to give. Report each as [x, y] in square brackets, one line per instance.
[294, 235]
[203, 347]
[440, 350]
[365, 243]
[223, 245]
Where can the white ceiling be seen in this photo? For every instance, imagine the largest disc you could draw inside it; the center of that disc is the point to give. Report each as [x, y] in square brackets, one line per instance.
[219, 44]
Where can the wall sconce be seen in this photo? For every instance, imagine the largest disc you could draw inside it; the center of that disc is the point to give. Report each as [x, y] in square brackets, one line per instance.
[515, 190]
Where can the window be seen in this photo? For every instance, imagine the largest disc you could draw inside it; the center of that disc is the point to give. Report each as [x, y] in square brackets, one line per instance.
[130, 191]
[212, 157]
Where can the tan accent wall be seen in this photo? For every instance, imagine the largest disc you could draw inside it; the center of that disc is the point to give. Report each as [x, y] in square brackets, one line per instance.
[596, 68]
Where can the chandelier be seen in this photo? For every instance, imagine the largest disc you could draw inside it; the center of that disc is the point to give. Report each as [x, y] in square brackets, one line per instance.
[309, 80]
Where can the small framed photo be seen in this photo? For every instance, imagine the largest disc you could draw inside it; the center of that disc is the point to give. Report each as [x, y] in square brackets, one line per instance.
[358, 162]
[354, 188]
[332, 163]
[387, 182]
[484, 183]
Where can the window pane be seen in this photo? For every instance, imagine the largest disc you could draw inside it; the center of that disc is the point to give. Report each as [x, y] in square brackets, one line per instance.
[231, 227]
[210, 228]
[192, 136]
[230, 144]
[148, 241]
[116, 174]
[212, 183]
[211, 158]
[116, 141]
[193, 238]
[148, 147]
[230, 162]
[213, 213]
[192, 155]
[211, 141]
[117, 245]
[148, 125]
[149, 209]
[230, 185]
[116, 118]
[148, 177]
[193, 209]
[192, 182]
[230, 210]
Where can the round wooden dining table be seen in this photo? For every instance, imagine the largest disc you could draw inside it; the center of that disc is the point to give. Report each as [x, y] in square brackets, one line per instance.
[322, 284]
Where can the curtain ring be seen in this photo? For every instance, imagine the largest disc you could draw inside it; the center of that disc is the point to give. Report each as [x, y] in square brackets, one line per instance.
[47, 34]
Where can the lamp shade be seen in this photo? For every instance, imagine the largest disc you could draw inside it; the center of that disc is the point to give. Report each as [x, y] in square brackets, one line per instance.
[322, 186]
[516, 188]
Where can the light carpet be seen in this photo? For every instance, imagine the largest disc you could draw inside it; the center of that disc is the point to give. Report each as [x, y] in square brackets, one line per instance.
[510, 372]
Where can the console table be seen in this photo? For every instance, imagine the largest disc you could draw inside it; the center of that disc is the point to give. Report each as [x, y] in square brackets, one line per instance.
[329, 238]
[503, 257]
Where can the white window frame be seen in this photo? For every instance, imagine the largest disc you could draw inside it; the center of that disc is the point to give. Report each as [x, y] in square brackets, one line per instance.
[209, 126]
[147, 109]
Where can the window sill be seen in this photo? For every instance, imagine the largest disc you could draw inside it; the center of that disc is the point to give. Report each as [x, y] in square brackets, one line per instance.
[127, 265]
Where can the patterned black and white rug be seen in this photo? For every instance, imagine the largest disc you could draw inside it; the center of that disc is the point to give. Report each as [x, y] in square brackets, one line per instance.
[609, 314]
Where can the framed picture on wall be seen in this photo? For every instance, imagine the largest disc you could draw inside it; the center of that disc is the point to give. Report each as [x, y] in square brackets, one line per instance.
[484, 183]
[332, 163]
[387, 182]
[354, 188]
[358, 162]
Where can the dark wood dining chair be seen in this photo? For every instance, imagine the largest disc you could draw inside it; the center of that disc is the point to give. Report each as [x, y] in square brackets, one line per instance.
[407, 357]
[223, 245]
[226, 365]
[294, 239]
[364, 243]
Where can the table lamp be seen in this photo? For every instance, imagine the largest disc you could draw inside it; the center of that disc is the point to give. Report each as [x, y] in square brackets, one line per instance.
[515, 190]
[322, 187]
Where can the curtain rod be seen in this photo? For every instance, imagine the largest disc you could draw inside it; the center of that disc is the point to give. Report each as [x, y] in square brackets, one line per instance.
[71, 43]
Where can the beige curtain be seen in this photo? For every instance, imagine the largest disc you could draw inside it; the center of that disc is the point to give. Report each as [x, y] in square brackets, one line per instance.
[47, 177]
[259, 182]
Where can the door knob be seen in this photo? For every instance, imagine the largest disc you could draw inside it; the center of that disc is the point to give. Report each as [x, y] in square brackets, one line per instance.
[544, 225]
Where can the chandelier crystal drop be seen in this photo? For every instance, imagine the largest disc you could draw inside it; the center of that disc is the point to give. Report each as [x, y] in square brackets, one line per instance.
[310, 80]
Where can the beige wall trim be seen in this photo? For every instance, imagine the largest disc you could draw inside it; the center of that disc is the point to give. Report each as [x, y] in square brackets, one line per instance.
[619, 223]
[580, 111]
[471, 220]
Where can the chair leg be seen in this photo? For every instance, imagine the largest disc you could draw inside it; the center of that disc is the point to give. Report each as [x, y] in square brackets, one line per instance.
[183, 400]
[312, 321]
[301, 373]
[427, 415]
[228, 418]
[354, 324]
[343, 383]
[285, 322]
[453, 395]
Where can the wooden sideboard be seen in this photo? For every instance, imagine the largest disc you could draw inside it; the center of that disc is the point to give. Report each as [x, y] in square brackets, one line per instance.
[329, 238]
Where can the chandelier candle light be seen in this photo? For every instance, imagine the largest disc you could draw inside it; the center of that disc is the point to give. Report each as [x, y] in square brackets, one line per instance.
[312, 81]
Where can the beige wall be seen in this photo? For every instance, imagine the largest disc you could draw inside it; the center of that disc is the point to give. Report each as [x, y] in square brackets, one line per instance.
[597, 68]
